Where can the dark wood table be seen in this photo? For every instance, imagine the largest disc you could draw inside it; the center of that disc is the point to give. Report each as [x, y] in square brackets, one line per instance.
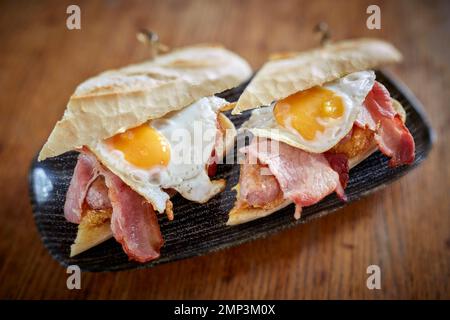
[405, 228]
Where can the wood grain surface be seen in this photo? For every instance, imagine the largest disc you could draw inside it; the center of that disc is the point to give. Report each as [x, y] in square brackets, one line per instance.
[405, 228]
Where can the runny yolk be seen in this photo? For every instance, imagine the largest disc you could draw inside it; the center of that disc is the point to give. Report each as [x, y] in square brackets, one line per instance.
[142, 146]
[302, 110]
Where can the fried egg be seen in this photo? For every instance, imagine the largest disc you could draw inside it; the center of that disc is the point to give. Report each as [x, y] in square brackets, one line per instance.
[315, 119]
[171, 152]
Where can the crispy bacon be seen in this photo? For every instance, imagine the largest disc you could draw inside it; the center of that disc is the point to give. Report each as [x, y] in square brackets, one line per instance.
[391, 134]
[303, 177]
[133, 221]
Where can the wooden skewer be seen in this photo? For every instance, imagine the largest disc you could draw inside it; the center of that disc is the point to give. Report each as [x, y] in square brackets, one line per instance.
[151, 39]
[323, 30]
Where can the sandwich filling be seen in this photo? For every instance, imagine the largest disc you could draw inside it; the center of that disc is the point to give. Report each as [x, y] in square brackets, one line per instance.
[270, 176]
[95, 189]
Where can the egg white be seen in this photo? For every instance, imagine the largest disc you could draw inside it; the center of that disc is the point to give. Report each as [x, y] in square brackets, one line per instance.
[189, 153]
[352, 89]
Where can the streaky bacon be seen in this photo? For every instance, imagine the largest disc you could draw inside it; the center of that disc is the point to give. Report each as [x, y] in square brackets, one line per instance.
[339, 163]
[257, 187]
[303, 177]
[86, 171]
[97, 195]
[133, 222]
[391, 134]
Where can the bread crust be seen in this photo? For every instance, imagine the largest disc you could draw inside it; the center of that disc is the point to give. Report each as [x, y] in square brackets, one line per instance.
[239, 214]
[117, 100]
[290, 73]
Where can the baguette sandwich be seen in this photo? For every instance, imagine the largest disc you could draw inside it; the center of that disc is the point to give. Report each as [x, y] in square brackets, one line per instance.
[144, 133]
[324, 113]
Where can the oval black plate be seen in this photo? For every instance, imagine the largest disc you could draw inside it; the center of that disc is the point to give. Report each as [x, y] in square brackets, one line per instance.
[200, 228]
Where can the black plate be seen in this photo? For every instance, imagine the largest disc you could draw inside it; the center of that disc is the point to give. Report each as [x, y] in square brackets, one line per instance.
[200, 228]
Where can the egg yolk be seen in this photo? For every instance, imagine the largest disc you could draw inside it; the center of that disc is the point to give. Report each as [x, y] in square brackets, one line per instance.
[142, 146]
[302, 110]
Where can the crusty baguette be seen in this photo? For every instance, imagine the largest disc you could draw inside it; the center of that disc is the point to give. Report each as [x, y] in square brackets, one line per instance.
[240, 215]
[120, 99]
[95, 227]
[291, 73]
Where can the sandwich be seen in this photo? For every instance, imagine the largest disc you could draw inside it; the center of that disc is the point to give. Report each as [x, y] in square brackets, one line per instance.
[322, 112]
[144, 133]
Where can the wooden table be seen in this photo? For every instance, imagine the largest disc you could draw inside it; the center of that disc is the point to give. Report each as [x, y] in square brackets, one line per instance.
[405, 228]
